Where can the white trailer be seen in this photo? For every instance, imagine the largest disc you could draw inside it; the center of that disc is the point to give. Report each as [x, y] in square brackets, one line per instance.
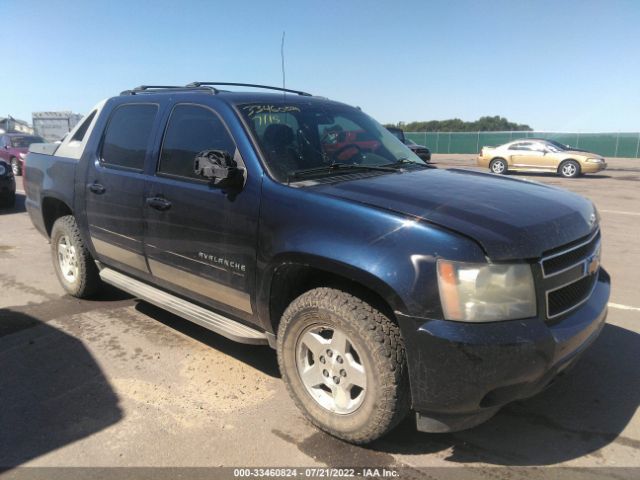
[53, 126]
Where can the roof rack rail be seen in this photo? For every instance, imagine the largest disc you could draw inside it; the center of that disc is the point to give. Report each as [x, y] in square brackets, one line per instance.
[172, 88]
[232, 84]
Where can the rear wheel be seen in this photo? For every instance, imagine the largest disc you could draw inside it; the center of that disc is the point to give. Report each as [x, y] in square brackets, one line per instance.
[569, 169]
[73, 263]
[343, 362]
[498, 166]
[15, 167]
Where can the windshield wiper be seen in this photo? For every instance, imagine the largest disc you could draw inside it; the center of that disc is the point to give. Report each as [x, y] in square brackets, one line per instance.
[339, 166]
[405, 161]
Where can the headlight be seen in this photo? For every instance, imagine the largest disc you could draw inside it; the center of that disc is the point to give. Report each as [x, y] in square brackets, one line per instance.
[486, 292]
[595, 160]
[3, 170]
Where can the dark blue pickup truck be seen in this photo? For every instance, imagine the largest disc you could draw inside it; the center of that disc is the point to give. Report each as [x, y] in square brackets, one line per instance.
[281, 218]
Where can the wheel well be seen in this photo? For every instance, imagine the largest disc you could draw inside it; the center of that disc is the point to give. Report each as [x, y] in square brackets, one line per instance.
[569, 160]
[497, 158]
[53, 209]
[292, 280]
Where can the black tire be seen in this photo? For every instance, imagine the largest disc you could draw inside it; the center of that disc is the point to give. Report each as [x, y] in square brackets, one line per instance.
[15, 167]
[499, 166]
[380, 350]
[87, 280]
[569, 169]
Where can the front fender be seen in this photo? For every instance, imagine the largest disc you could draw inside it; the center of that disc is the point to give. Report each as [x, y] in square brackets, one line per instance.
[390, 254]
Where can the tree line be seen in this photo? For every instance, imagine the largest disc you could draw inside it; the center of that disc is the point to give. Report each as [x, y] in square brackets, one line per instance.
[483, 124]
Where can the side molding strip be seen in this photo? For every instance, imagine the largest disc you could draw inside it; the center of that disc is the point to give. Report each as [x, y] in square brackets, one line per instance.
[206, 288]
[120, 254]
[217, 323]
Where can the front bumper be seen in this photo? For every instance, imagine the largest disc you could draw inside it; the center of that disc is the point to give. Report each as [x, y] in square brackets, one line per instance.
[588, 167]
[462, 373]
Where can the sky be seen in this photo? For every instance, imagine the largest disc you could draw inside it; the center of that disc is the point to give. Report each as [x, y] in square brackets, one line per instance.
[555, 65]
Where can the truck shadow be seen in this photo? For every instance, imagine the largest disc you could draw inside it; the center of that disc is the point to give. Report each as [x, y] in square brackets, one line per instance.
[262, 358]
[19, 207]
[52, 391]
[582, 412]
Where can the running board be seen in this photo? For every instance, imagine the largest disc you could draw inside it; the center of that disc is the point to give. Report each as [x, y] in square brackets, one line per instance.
[224, 326]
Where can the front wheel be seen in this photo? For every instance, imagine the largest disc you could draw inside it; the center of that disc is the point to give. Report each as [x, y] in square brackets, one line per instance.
[498, 166]
[343, 362]
[73, 263]
[569, 169]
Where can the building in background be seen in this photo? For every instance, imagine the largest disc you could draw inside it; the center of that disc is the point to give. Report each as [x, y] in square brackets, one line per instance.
[9, 124]
[53, 126]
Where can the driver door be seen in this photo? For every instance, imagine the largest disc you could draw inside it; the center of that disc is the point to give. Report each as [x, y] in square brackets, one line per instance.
[200, 238]
[525, 155]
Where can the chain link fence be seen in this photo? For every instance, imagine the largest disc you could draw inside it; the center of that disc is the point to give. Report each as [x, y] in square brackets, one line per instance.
[620, 144]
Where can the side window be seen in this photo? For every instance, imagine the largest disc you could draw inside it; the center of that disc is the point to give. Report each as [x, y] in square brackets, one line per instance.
[127, 136]
[82, 130]
[191, 130]
[526, 146]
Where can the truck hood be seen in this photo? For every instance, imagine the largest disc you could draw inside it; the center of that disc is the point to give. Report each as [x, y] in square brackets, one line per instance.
[509, 218]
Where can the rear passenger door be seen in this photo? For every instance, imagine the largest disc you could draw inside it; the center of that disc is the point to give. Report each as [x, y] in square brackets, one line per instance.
[115, 187]
[200, 238]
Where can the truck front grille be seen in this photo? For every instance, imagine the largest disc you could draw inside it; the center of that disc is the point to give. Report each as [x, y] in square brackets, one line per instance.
[570, 275]
[568, 297]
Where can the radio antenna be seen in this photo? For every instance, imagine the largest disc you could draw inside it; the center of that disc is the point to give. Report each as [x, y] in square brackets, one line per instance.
[282, 62]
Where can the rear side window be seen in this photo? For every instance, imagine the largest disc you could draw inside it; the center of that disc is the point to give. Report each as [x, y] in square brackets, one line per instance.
[521, 146]
[191, 130]
[127, 136]
[82, 130]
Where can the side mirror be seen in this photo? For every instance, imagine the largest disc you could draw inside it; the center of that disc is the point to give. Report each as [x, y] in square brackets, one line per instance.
[219, 167]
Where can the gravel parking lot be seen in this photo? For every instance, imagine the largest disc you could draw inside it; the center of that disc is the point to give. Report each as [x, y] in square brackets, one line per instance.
[118, 382]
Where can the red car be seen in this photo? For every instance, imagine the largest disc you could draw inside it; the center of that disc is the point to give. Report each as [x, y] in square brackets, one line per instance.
[14, 148]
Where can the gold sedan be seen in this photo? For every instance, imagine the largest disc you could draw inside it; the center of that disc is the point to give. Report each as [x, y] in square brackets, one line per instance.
[537, 155]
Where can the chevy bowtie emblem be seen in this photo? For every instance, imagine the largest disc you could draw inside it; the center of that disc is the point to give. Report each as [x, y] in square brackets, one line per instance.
[592, 264]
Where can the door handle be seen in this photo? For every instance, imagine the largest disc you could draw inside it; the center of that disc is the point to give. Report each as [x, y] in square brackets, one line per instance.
[97, 188]
[159, 203]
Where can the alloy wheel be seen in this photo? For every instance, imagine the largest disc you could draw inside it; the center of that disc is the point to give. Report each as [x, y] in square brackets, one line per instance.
[498, 167]
[67, 259]
[569, 170]
[331, 369]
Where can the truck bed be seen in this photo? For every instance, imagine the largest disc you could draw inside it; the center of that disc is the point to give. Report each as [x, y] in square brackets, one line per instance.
[47, 176]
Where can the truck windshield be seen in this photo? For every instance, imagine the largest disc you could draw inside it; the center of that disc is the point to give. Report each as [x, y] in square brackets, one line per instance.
[24, 142]
[298, 137]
